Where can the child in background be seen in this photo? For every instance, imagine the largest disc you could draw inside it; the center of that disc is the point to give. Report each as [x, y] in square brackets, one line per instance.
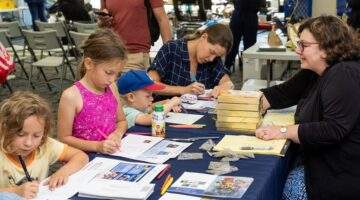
[136, 88]
[90, 116]
[25, 121]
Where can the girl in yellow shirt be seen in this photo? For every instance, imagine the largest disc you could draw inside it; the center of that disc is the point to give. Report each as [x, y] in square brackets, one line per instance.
[25, 121]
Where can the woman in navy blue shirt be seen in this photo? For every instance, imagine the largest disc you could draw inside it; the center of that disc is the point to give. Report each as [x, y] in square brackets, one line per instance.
[193, 63]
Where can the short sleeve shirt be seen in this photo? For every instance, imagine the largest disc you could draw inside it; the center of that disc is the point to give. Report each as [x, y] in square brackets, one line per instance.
[131, 114]
[11, 171]
[173, 65]
[131, 23]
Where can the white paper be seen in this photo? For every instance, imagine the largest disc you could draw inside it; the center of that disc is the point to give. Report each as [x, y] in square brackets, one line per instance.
[71, 187]
[133, 145]
[206, 94]
[200, 104]
[172, 196]
[182, 118]
[199, 181]
[163, 151]
[150, 149]
[111, 189]
[64, 192]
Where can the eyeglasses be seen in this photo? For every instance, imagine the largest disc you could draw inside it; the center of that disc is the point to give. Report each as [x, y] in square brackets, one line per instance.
[302, 44]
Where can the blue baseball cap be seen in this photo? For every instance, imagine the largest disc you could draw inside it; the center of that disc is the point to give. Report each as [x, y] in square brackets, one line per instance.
[135, 80]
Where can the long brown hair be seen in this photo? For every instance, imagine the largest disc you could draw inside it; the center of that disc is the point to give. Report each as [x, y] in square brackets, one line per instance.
[15, 110]
[334, 36]
[103, 45]
[217, 34]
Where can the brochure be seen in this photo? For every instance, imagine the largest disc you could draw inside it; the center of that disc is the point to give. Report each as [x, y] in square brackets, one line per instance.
[199, 184]
[116, 179]
[150, 149]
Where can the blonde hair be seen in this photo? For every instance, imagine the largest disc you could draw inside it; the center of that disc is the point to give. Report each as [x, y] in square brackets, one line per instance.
[217, 34]
[15, 110]
[101, 46]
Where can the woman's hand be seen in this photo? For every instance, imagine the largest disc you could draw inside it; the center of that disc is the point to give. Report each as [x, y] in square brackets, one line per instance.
[269, 133]
[195, 88]
[222, 88]
[28, 190]
[58, 179]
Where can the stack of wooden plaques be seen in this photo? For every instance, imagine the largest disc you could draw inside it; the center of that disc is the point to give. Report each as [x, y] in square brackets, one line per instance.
[238, 111]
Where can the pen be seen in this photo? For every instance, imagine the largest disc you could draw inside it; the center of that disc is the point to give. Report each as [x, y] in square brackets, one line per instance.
[166, 169]
[193, 80]
[138, 133]
[23, 165]
[166, 185]
[187, 125]
[192, 139]
[257, 148]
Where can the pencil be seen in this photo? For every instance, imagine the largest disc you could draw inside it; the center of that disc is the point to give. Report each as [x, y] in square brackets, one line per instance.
[183, 108]
[23, 165]
[166, 185]
[187, 125]
[102, 133]
[166, 180]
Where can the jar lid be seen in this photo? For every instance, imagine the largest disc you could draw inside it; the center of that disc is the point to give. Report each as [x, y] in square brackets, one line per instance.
[159, 107]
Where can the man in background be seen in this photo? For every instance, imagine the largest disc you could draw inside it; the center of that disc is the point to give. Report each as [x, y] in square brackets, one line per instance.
[129, 19]
[37, 11]
[243, 24]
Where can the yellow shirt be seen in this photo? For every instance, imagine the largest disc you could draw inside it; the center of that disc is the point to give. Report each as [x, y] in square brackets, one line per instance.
[11, 171]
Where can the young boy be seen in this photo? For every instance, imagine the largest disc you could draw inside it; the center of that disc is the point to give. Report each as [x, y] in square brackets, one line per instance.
[136, 87]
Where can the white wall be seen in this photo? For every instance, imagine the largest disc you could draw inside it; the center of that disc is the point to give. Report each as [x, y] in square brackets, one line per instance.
[323, 7]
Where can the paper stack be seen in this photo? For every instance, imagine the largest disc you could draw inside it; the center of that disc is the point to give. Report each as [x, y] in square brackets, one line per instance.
[238, 111]
[116, 179]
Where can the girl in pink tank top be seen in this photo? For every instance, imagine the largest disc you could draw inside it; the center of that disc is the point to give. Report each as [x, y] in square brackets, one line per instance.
[90, 116]
[97, 118]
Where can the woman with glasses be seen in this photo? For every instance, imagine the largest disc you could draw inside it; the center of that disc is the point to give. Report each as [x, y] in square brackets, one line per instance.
[327, 130]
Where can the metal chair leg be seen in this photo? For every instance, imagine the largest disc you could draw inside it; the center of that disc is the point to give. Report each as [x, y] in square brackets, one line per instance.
[43, 74]
[30, 76]
[8, 86]
[24, 71]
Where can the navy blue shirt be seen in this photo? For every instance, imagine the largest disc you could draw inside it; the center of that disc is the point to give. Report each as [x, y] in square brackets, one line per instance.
[173, 66]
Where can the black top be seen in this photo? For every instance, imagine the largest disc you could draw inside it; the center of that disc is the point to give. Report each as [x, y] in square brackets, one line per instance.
[328, 115]
[249, 6]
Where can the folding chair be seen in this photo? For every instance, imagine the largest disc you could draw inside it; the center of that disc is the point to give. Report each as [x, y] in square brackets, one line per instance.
[61, 32]
[14, 31]
[46, 41]
[85, 28]
[78, 39]
[6, 41]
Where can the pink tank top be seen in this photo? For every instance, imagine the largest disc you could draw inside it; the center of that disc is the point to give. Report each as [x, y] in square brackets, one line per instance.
[97, 116]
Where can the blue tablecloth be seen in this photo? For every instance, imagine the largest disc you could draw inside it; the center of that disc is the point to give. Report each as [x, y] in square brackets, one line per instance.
[269, 172]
